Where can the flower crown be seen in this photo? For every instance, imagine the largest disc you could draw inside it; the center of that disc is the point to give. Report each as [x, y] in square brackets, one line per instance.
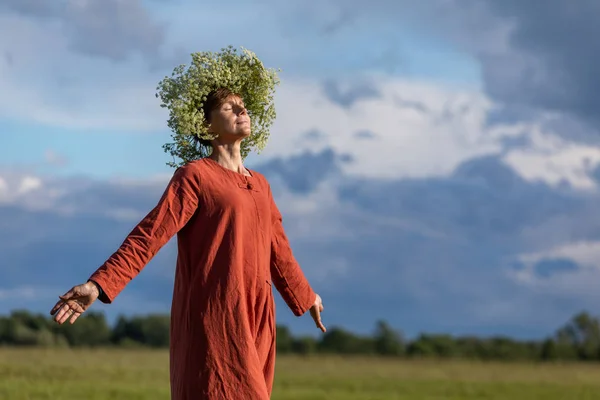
[185, 92]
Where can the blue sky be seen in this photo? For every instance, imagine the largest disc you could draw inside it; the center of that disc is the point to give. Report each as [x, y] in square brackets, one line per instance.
[436, 164]
[282, 41]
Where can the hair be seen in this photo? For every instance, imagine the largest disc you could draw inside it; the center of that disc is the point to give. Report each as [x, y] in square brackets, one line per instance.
[214, 100]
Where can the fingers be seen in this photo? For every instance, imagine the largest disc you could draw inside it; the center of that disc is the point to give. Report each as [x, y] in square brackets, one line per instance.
[74, 317]
[319, 323]
[315, 312]
[56, 307]
[316, 315]
[62, 300]
[65, 310]
[321, 326]
[63, 314]
[66, 307]
[76, 306]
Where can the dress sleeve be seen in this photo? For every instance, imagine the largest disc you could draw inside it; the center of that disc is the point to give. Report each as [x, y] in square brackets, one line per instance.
[287, 276]
[174, 209]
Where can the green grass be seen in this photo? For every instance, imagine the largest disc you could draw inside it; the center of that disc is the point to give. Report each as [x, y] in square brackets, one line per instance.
[143, 374]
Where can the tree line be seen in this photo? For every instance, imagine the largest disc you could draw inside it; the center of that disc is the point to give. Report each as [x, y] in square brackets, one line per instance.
[578, 339]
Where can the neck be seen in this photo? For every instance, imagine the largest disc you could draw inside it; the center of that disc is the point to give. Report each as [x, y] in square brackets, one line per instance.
[229, 156]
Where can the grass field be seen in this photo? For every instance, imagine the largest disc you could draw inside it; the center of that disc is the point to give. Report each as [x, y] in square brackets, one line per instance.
[143, 374]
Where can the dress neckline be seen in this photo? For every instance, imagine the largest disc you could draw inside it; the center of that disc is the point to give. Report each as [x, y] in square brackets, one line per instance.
[227, 170]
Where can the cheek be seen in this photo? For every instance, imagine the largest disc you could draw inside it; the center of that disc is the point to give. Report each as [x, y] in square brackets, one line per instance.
[220, 121]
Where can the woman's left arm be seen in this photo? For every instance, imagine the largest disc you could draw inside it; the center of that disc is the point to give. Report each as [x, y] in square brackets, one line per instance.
[287, 276]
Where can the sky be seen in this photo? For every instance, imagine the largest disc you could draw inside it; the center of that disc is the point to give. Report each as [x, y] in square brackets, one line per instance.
[437, 165]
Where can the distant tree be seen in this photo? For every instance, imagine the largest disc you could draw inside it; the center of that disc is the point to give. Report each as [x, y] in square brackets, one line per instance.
[427, 345]
[32, 321]
[582, 334]
[152, 330]
[283, 339]
[91, 330]
[156, 330]
[5, 326]
[304, 345]
[471, 347]
[121, 331]
[578, 339]
[388, 342]
[340, 341]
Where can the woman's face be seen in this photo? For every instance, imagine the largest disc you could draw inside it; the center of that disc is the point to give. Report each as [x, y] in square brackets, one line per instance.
[231, 119]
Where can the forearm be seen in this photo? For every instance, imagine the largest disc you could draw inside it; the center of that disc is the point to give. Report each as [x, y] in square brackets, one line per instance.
[290, 282]
[288, 278]
[127, 262]
[176, 206]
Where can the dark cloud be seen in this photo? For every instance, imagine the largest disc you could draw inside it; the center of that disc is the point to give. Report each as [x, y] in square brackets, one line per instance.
[36, 8]
[549, 267]
[415, 105]
[534, 55]
[484, 203]
[114, 29]
[303, 173]
[365, 134]
[425, 254]
[347, 97]
[553, 59]
[314, 135]
[595, 174]
[343, 20]
[8, 57]
[439, 249]
[513, 142]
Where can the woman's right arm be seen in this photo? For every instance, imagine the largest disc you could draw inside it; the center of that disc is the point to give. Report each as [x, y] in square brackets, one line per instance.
[174, 209]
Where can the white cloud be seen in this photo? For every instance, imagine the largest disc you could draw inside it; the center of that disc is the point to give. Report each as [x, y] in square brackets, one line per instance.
[63, 195]
[3, 188]
[95, 94]
[21, 292]
[125, 214]
[552, 159]
[586, 254]
[420, 129]
[28, 184]
[576, 283]
[581, 284]
[48, 84]
[20, 188]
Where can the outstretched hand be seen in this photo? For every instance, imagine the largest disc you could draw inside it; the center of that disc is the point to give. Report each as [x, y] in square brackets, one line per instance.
[74, 303]
[315, 313]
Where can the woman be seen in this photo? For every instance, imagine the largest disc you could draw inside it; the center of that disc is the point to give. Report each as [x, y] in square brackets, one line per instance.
[231, 246]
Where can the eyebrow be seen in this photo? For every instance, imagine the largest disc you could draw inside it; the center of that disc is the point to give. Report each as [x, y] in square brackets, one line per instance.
[234, 103]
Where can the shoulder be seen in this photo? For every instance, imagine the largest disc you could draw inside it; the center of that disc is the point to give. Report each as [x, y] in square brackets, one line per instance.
[190, 173]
